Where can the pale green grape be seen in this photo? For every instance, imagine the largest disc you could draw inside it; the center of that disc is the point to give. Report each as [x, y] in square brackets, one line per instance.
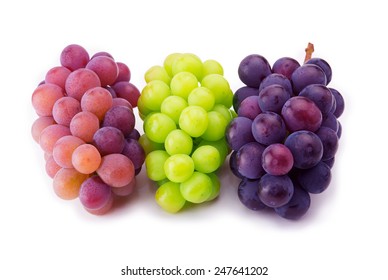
[143, 110]
[154, 164]
[216, 186]
[178, 142]
[206, 159]
[169, 61]
[154, 93]
[198, 188]
[178, 168]
[219, 86]
[227, 113]
[202, 97]
[193, 120]
[157, 126]
[216, 126]
[183, 83]
[172, 106]
[149, 145]
[221, 145]
[157, 73]
[212, 67]
[188, 62]
[169, 197]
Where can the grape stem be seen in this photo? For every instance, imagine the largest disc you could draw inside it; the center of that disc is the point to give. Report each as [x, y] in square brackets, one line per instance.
[309, 51]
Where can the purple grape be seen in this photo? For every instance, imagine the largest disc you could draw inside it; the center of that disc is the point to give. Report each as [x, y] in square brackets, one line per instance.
[109, 140]
[323, 65]
[268, 128]
[330, 121]
[233, 165]
[316, 179]
[243, 93]
[272, 98]
[277, 159]
[301, 113]
[277, 79]
[320, 95]
[111, 91]
[305, 75]
[285, 66]
[339, 132]
[248, 195]
[330, 162]
[135, 134]
[239, 132]
[249, 107]
[329, 141]
[102, 54]
[248, 160]
[120, 117]
[94, 193]
[253, 69]
[340, 102]
[275, 191]
[306, 148]
[297, 206]
[135, 152]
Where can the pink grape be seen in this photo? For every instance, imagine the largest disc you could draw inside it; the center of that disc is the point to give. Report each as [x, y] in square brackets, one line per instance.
[80, 81]
[116, 170]
[84, 125]
[97, 100]
[94, 193]
[74, 57]
[57, 75]
[40, 124]
[44, 98]
[50, 136]
[65, 109]
[105, 68]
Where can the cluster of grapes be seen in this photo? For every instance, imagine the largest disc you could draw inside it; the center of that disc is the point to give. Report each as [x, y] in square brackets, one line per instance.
[86, 128]
[185, 108]
[286, 134]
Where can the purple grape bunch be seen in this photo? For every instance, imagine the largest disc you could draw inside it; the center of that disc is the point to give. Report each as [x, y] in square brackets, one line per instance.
[285, 137]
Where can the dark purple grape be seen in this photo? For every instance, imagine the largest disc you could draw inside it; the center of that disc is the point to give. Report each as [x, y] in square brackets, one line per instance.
[253, 69]
[239, 132]
[135, 134]
[305, 75]
[297, 206]
[340, 102]
[339, 132]
[233, 165]
[320, 95]
[248, 195]
[277, 79]
[306, 148]
[241, 94]
[135, 152]
[249, 107]
[301, 113]
[112, 91]
[109, 140]
[268, 128]
[275, 191]
[329, 141]
[330, 162]
[323, 65]
[285, 66]
[330, 121]
[120, 117]
[315, 179]
[272, 98]
[248, 160]
[277, 159]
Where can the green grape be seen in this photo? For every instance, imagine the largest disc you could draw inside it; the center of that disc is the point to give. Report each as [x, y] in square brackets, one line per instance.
[149, 145]
[216, 126]
[202, 97]
[153, 162]
[154, 93]
[178, 168]
[212, 67]
[169, 61]
[194, 120]
[221, 145]
[157, 126]
[183, 83]
[198, 188]
[157, 73]
[143, 110]
[216, 186]
[206, 159]
[188, 62]
[220, 88]
[169, 197]
[227, 113]
[178, 142]
[172, 106]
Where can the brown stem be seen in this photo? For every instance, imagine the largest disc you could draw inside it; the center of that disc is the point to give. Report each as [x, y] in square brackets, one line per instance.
[309, 51]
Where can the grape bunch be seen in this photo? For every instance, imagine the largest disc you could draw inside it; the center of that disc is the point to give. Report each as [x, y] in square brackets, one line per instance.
[185, 108]
[86, 128]
[286, 134]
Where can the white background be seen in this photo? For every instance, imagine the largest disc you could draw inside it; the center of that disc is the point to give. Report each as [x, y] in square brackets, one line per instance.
[344, 235]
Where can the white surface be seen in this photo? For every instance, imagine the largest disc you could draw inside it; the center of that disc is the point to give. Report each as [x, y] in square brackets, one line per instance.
[344, 235]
